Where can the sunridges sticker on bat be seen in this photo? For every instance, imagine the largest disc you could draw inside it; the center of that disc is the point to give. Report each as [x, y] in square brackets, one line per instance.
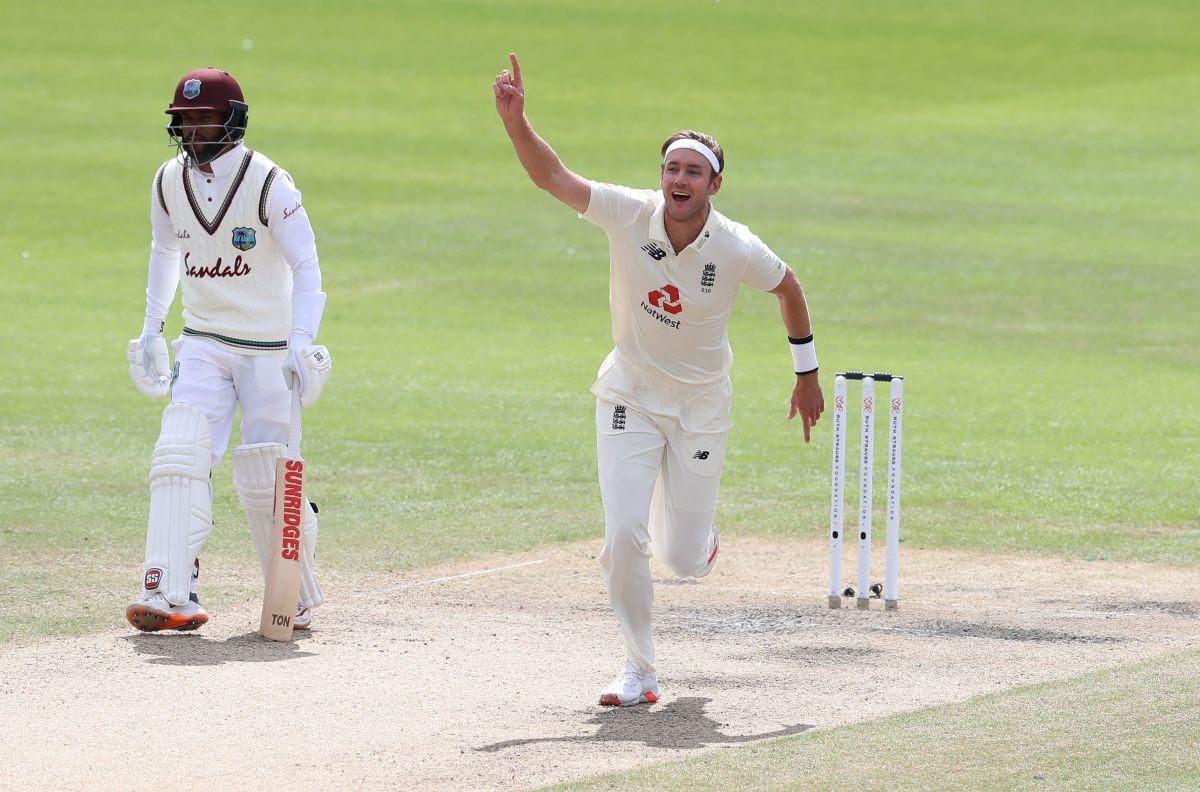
[283, 581]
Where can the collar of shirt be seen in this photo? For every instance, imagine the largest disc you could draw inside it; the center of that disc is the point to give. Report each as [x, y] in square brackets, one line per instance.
[225, 165]
[658, 230]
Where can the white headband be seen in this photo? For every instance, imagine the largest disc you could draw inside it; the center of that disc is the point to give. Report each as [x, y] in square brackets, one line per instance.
[696, 146]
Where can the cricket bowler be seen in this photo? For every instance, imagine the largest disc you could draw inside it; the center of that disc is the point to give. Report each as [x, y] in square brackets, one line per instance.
[663, 394]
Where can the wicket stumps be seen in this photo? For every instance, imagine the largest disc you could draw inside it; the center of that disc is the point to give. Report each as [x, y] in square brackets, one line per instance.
[891, 579]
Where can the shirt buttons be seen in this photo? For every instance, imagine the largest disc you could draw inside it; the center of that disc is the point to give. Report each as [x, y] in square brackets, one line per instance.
[210, 200]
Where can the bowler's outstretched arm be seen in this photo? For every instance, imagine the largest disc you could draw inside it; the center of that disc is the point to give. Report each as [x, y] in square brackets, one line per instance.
[540, 161]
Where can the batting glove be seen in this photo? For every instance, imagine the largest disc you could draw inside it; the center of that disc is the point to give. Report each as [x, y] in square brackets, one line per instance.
[149, 365]
[310, 365]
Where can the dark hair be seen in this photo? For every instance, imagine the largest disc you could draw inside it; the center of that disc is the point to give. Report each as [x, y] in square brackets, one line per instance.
[707, 140]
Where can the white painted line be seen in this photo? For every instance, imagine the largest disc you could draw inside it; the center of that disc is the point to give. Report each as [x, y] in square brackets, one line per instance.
[431, 581]
[1098, 614]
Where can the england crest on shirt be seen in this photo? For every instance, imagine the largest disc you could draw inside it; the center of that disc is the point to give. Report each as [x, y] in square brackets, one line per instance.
[243, 238]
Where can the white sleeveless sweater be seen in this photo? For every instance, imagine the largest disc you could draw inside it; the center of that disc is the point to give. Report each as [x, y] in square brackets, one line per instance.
[236, 285]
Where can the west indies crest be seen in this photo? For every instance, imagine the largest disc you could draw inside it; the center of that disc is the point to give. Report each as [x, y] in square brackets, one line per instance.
[243, 238]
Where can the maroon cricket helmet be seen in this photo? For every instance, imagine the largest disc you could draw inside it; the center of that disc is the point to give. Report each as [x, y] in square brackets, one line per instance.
[206, 89]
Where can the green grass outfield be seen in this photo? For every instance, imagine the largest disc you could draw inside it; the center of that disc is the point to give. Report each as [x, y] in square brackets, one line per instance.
[996, 199]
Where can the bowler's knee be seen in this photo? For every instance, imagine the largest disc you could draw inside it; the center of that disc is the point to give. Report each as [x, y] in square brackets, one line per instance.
[624, 541]
[685, 564]
[688, 555]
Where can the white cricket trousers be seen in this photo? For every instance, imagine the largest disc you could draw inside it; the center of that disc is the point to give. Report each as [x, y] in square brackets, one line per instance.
[660, 448]
[217, 380]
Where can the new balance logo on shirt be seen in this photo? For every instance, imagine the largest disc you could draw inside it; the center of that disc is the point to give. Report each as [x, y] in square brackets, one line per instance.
[656, 253]
[700, 455]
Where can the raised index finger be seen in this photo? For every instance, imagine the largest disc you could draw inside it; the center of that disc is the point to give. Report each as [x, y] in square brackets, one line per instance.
[512, 57]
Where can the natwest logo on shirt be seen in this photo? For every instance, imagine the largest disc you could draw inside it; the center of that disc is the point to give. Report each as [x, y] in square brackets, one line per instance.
[663, 304]
[666, 298]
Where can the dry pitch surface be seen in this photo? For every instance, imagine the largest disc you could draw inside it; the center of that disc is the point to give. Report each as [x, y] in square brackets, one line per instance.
[489, 681]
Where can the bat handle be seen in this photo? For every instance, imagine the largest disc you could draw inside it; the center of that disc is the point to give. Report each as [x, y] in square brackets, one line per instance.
[294, 425]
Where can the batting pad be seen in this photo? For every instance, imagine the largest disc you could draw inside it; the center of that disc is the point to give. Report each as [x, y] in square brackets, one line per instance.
[310, 592]
[254, 481]
[180, 501]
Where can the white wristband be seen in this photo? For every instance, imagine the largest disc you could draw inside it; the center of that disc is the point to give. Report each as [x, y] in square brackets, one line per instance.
[804, 354]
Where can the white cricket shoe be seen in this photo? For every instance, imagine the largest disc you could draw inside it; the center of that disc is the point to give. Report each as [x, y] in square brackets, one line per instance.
[631, 687]
[303, 620]
[153, 612]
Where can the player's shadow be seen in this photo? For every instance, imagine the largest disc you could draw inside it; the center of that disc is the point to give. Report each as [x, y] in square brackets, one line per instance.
[193, 649]
[678, 725]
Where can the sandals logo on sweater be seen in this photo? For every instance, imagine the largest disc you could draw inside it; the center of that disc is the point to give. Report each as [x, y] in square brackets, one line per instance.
[218, 270]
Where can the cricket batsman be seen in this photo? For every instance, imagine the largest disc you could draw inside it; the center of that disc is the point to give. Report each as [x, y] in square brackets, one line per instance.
[663, 394]
[228, 224]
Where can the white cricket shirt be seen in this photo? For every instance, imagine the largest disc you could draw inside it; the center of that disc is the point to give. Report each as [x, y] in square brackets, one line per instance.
[670, 312]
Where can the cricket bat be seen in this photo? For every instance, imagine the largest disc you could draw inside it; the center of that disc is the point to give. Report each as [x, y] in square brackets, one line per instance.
[283, 581]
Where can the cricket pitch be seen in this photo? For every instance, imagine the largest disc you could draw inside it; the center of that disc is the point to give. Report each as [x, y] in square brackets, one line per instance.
[485, 674]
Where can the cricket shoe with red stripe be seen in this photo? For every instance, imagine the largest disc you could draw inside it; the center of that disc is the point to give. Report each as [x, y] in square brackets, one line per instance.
[153, 613]
[631, 687]
[303, 620]
[712, 556]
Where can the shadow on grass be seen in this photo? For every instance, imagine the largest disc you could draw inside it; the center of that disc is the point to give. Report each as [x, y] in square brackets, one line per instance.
[192, 649]
[678, 725]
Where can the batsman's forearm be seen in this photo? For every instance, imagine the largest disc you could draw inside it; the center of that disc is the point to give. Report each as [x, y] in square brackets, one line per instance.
[162, 277]
[539, 160]
[162, 280]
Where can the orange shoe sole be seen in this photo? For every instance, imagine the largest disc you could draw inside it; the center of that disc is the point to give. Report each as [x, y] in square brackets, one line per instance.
[613, 700]
[151, 620]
